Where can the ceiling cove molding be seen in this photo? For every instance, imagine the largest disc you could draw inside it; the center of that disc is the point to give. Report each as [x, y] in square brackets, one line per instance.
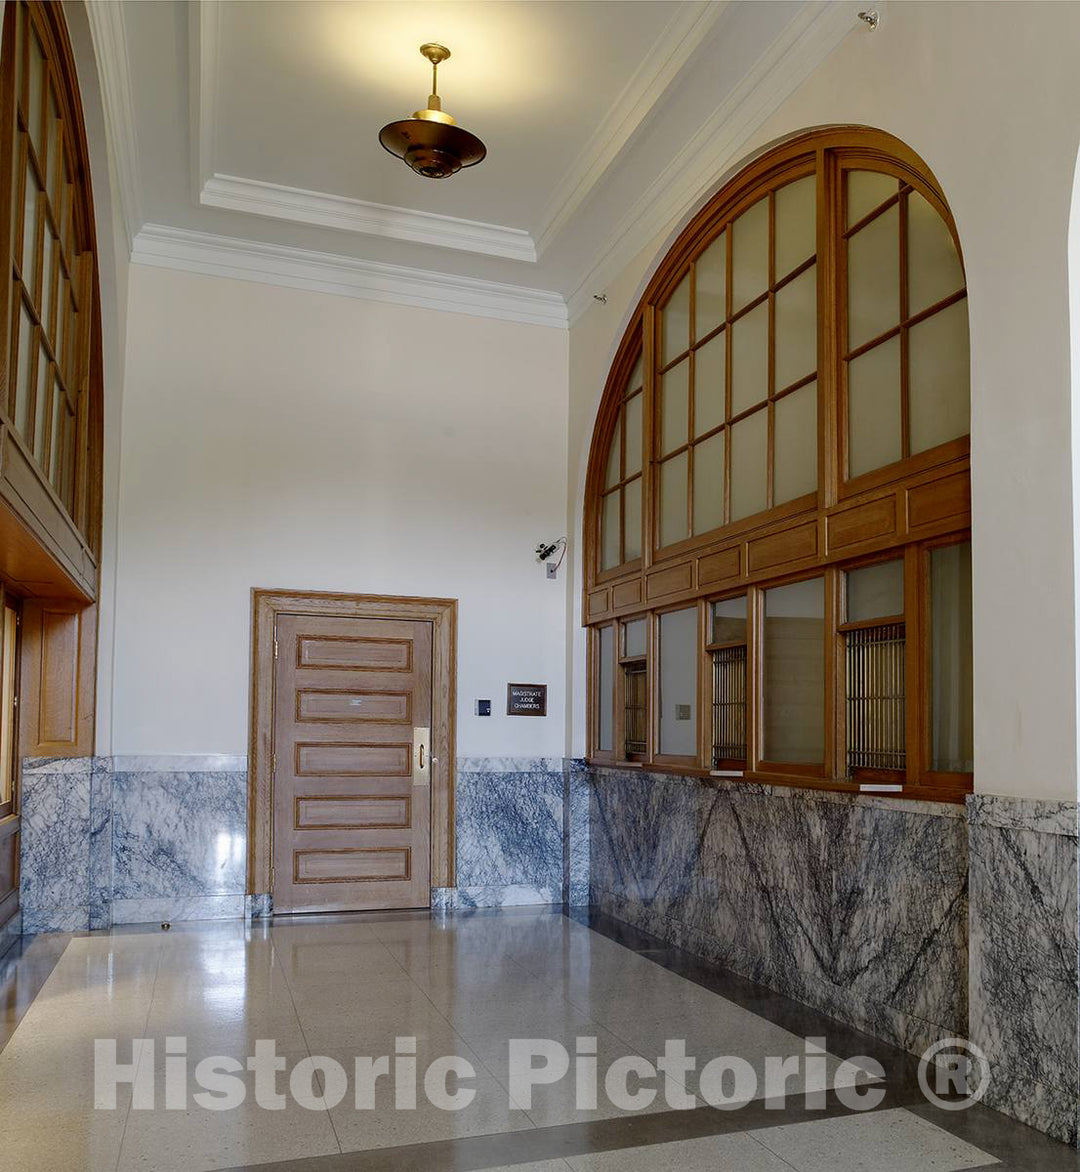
[318, 209]
[650, 81]
[204, 22]
[802, 46]
[372, 219]
[297, 268]
[109, 39]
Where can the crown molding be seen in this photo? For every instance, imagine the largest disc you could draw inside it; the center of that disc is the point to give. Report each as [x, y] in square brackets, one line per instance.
[109, 39]
[371, 219]
[298, 268]
[650, 81]
[801, 47]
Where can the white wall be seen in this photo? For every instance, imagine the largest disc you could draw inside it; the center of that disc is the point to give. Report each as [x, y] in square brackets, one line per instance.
[279, 438]
[987, 95]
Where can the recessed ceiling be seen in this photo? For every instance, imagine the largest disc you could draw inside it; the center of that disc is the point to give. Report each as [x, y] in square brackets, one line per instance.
[255, 122]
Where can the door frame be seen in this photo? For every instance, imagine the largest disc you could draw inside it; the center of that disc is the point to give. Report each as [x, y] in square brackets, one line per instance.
[266, 605]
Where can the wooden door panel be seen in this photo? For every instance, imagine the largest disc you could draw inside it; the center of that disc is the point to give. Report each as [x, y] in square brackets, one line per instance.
[350, 812]
[353, 759]
[345, 653]
[352, 703]
[353, 706]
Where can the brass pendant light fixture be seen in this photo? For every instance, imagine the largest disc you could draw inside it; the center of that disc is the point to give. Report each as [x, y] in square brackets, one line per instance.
[430, 142]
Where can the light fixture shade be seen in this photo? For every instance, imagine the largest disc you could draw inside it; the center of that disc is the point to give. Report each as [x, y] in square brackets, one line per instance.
[430, 142]
[435, 150]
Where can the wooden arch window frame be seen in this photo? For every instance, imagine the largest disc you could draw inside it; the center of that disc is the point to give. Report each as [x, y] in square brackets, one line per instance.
[51, 386]
[899, 509]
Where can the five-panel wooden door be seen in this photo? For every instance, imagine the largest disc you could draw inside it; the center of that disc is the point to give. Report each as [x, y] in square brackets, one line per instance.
[351, 764]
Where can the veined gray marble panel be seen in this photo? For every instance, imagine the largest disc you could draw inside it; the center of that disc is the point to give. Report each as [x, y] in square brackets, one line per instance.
[1025, 969]
[37, 920]
[259, 907]
[34, 766]
[857, 906]
[178, 835]
[11, 932]
[576, 833]
[101, 843]
[55, 843]
[152, 911]
[509, 829]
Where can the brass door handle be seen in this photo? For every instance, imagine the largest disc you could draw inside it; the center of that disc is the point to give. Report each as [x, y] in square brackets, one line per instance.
[421, 774]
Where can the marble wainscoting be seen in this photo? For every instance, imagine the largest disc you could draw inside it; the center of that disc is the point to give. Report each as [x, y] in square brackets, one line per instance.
[54, 877]
[1025, 970]
[179, 838]
[852, 904]
[509, 834]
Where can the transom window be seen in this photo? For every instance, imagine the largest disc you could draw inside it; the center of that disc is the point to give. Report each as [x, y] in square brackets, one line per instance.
[779, 492]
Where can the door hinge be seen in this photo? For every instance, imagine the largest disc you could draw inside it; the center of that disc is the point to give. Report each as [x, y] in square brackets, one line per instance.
[273, 765]
[275, 646]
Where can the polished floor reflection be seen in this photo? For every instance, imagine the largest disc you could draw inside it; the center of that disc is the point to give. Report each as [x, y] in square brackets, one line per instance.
[405, 990]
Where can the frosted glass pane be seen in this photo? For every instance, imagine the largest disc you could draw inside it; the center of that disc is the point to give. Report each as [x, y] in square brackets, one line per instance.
[28, 258]
[867, 190]
[41, 404]
[933, 264]
[750, 359]
[750, 254]
[874, 408]
[678, 682]
[874, 278]
[794, 725]
[749, 465]
[796, 224]
[676, 322]
[48, 244]
[796, 329]
[609, 531]
[709, 379]
[709, 484]
[674, 407]
[729, 620]
[632, 423]
[673, 500]
[23, 377]
[614, 458]
[710, 298]
[951, 658]
[636, 377]
[37, 82]
[795, 445]
[634, 638]
[605, 691]
[940, 378]
[632, 509]
[875, 592]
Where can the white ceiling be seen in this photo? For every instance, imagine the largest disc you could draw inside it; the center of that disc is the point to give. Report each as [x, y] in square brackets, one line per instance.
[257, 121]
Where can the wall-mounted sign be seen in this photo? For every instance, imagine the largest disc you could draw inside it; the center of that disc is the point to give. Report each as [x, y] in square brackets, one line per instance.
[526, 699]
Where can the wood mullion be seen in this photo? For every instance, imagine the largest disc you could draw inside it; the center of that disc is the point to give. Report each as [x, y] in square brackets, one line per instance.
[870, 216]
[770, 361]
[905, 399]
[728, 301]
[649, 494]
[622, 481]
[914, 672]
[834, 757]
[755, 659]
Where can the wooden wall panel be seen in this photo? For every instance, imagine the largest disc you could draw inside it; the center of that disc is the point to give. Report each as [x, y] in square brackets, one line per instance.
[59, 647]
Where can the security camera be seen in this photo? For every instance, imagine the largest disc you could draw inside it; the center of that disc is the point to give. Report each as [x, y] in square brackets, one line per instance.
[544, 550]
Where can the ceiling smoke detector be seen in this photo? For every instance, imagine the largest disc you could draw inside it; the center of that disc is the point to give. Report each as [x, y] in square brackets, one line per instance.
[430, 142]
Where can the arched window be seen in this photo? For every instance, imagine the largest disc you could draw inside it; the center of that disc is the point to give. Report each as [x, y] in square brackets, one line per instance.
[52, 358]
[796, 375]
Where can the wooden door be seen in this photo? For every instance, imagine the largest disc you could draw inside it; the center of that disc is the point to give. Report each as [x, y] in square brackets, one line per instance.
[351, 764]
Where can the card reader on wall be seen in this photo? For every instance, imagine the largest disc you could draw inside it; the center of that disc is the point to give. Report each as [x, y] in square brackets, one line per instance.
[483, 708]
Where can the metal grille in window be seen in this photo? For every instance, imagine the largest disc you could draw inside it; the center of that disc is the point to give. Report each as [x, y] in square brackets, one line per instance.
[729, 704]
[635, 709]
[875, 698]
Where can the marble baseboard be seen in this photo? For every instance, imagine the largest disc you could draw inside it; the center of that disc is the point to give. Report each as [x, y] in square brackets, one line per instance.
[152, 911]
[857, 906]
[10, 933]
[258, 907]
[445, 899]
[178, 763]
[507, 765]
[39, 920]
[1025, 957]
